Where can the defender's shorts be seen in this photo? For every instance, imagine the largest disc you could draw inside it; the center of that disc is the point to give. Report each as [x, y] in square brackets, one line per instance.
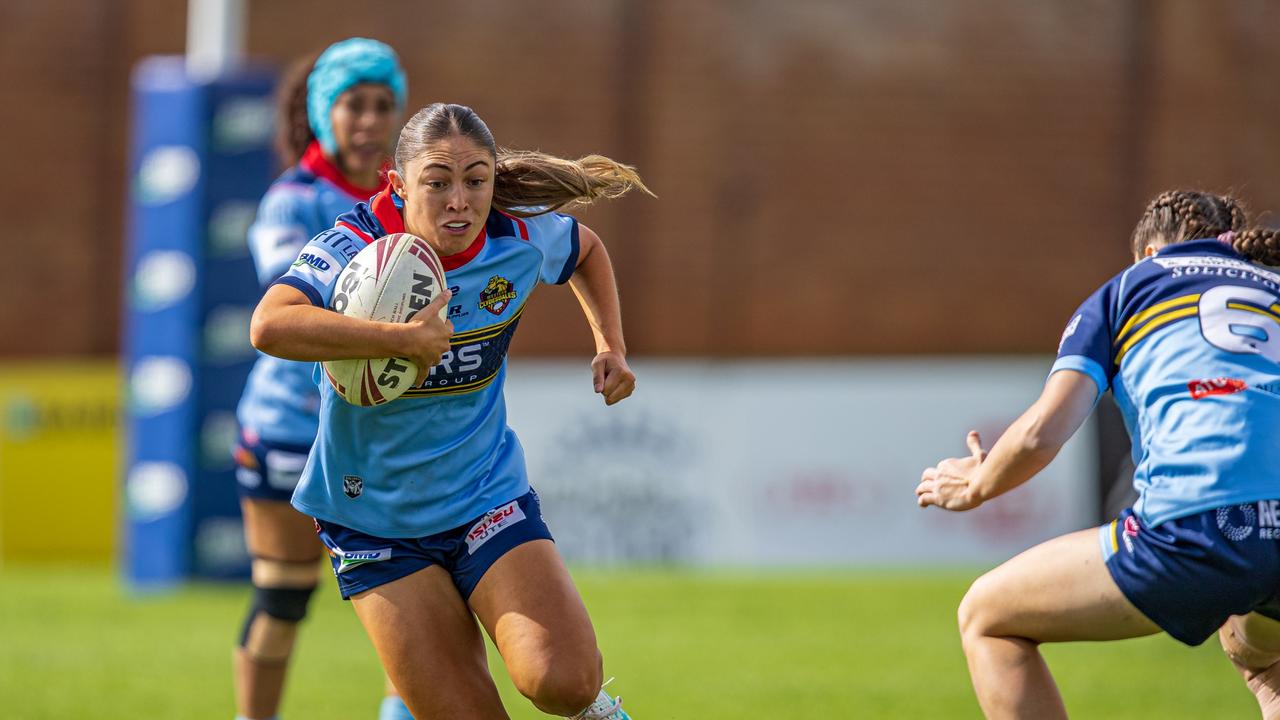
[268, 470]
[362, 562]
[1190, 574]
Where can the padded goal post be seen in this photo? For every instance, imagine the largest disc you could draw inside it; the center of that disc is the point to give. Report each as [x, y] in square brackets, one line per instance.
[200, 160]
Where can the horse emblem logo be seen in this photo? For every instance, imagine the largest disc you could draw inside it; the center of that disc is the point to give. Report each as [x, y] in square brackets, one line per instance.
[497, 295]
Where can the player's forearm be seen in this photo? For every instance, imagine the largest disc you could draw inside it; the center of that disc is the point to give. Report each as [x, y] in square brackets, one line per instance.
[309, 333]
[597, 290]
[1018, 455]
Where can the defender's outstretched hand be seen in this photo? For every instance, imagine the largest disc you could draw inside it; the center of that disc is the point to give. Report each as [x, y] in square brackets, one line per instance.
[612, 378]
[947, 484]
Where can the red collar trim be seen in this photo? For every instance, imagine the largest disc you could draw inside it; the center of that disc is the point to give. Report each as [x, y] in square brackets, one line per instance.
[457, 260]
[315, 162]
[384, 208]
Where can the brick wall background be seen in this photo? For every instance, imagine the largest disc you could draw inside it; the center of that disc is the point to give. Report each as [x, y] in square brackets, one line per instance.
[889, 176]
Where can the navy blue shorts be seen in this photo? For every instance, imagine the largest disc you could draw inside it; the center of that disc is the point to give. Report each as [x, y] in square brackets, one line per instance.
[267, 470]
[1190, 574]
[363, 562]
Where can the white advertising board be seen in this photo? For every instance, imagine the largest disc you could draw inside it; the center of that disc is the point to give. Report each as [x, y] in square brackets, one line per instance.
[785, 463]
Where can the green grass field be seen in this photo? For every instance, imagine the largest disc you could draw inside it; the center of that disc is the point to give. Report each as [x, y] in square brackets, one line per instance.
[688, 645]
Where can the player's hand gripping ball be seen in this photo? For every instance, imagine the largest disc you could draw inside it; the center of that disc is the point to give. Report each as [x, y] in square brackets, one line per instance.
[390, 280]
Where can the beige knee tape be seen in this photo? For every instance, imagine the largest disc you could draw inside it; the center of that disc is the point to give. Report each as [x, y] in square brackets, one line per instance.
[1237, 647]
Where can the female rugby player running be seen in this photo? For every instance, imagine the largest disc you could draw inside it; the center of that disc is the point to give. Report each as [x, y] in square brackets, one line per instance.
[1188, 341]
[424, 502]
[336, 121]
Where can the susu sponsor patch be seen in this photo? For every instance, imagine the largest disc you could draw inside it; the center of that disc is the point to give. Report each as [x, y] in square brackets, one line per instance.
[493, 523]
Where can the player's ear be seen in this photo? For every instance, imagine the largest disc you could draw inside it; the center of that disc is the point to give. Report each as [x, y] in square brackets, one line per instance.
[397, 183]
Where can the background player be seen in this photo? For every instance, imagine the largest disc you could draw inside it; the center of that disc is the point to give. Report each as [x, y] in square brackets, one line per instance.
[438, 493]
[1188, 340]
[336, 122]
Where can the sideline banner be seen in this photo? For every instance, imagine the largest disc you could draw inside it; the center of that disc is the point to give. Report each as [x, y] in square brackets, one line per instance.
[786, 463]
[200, 160]
[59, 460]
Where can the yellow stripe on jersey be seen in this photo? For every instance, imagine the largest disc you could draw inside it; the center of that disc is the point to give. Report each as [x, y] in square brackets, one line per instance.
[1115, 541]
[1153, 311]
[453, 389]
[1273, 312]
[487, 332]
[1157, 322]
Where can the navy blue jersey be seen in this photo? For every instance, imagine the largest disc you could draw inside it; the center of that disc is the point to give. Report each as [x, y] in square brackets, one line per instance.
[1188, 341]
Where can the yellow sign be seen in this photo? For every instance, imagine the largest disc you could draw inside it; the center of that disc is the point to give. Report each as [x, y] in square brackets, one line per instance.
[59, 461]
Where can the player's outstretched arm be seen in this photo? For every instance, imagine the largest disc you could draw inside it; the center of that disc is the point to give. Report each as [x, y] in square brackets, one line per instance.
[1022, 451]
[597, 292]
[285, 324]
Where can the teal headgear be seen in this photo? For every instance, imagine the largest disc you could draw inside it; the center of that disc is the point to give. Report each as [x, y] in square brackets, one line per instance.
[343, 64]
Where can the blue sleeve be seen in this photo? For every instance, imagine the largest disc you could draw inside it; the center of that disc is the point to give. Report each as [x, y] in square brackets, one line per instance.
[284, 223]
[556, 237]
[1086, 344]
[316, 270]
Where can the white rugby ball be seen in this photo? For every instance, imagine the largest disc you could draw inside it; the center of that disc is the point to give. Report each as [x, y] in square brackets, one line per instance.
[390, 280]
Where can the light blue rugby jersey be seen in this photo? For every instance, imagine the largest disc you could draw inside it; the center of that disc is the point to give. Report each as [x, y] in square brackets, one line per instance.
[1189, 343]
[280, 401]
[442, 454]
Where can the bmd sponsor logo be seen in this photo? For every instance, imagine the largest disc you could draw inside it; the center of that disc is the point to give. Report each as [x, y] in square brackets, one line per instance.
[356, 558]
[1215, 386]
[314, 260]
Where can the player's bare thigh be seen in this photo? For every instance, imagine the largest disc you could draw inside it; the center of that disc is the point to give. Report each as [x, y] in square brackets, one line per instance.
[532, 610]
[1057, 591]
[430, 646]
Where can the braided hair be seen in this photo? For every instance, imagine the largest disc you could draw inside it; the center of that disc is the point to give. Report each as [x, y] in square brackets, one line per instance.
[1181, 215]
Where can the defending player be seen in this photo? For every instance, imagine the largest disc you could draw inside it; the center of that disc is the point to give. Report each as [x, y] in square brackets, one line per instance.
[1188, 341]
[424, 502]
[336, 123]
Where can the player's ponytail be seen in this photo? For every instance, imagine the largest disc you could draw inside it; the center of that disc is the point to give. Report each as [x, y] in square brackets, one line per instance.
[293, 128]
[526, 183]
[1261, 245]
[528, 179]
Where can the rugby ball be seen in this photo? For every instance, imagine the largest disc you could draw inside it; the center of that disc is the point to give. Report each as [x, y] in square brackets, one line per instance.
[390, 280]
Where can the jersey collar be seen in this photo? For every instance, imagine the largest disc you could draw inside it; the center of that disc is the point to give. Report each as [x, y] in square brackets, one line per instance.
[1203, 246]
[315, 162]
[388, 208]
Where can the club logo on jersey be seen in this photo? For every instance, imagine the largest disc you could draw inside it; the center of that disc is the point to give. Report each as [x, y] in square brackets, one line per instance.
[1131, 528]
[493, 523]
[1215, 386]
[352, 485]
[497, 295]
[1069, 331]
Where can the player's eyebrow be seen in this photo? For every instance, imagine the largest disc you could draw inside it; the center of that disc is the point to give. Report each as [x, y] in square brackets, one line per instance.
[442, 166]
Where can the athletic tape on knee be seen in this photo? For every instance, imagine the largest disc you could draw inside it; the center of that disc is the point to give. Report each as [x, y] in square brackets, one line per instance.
[284, 605]
[288, 604]
[1238, 649]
